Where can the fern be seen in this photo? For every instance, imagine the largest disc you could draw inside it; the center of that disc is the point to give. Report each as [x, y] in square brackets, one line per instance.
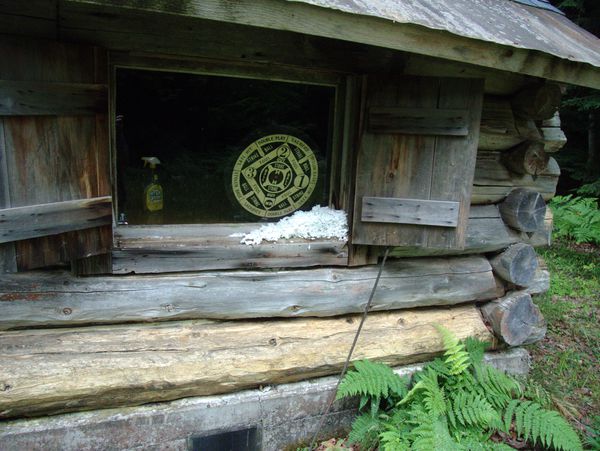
[533, 422]
[365, 431]
[374, 380]
[456, 403]
[576, 218]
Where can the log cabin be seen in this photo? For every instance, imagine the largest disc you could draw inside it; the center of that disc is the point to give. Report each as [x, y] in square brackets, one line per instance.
[132, 315]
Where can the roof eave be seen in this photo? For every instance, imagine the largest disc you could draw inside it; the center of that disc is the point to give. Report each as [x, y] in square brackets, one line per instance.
[329, 23]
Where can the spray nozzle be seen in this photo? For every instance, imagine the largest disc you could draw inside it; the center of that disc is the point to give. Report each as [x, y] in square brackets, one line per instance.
[151, 161]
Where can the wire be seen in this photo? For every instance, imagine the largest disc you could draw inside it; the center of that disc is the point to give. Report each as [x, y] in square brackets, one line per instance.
[347, 362]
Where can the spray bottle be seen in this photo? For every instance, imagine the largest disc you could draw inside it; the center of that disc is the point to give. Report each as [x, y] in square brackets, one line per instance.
[153, 193]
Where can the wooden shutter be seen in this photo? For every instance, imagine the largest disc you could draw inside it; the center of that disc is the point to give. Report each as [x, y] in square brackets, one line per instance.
[55, 205]
[416, 161]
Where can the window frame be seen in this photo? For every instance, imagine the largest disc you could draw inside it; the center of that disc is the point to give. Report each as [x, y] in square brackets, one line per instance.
[194, 247]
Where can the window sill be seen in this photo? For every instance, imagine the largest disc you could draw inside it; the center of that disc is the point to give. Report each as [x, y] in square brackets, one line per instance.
[174, 248]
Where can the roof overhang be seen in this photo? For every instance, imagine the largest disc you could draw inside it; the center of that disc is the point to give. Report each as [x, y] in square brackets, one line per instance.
[498, 34]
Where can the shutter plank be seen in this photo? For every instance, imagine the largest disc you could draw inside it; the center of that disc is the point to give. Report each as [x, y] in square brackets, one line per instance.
[410, 211]
[418, 121]
[50, 219]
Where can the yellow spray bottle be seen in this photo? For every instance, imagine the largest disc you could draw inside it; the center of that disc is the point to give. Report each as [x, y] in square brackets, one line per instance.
[153, 193]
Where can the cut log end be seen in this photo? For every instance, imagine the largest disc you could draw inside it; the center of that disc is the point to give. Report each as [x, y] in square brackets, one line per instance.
[527, 158]
[517, 264]
[538, 102]
[523, 210]
[515, 319]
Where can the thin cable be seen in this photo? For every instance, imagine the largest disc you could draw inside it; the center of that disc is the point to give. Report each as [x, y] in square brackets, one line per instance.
[347, 363]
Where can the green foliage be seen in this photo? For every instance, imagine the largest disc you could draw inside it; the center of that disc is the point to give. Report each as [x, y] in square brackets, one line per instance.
[456, 403]
[576, 218]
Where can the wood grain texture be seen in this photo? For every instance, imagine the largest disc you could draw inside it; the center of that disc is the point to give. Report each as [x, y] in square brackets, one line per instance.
[55, 158]
[415, 166]
[526, 158]
[59, 299]
[8, 257]
[158, 249]
[24, 98]
[493, 181]
[51, 371]
[418, 121]
[33, 221]
[410, 211]
[537, 102]
[517, 264]
[515, 319]
[486, 232]
[554, 138]
[523, 210]
[334, 24]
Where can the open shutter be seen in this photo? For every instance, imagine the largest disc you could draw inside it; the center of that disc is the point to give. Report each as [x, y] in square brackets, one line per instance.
[416, 161]
[55, 205]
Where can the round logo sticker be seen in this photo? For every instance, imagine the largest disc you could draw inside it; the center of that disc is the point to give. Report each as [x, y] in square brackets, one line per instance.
[274, 176]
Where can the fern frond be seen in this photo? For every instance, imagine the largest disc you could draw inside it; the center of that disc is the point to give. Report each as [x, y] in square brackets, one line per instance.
[365, 431]
[457, 358]
[532, 422]
[496, 386]
[431, 433]
[471, 409]
[375, 380]
[393, 440]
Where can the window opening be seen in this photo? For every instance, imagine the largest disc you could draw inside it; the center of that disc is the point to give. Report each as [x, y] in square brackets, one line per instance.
[194, 148]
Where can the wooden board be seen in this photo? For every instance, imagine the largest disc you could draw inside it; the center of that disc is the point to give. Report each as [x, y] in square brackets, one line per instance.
[417, 167]
[325, 22]
[58, 299]
[51, 371]
[486, 232]
[55, 158]
[410, 211]
[33, 221]
[418, 121]
[23, 98]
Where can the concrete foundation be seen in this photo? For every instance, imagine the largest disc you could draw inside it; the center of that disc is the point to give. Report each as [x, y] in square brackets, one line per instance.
[284, 415]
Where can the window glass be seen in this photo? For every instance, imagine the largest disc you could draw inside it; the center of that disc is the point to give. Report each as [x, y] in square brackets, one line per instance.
[211, 149]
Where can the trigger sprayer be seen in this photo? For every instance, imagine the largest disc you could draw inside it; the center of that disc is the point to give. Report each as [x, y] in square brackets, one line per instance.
[153, 193]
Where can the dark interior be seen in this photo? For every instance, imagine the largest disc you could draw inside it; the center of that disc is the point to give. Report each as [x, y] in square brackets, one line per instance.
[197, 126]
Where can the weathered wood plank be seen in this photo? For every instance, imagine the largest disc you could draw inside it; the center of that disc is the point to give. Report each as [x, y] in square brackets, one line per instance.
[33, 221]
[135, 31]
[334, 24]
[418, 121]
[493, 181]
[486, 232]
[44, 299]
[415, 166]
[8, 258]
[135, 364]
[158, 249]
[410, 211]
[22, 98]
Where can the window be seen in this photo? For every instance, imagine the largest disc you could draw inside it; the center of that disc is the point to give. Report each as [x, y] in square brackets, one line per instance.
[201, 149]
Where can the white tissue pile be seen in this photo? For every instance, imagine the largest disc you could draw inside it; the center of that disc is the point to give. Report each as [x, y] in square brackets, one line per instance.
[320, 222]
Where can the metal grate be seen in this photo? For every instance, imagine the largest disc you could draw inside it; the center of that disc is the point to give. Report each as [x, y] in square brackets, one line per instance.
[243, 440]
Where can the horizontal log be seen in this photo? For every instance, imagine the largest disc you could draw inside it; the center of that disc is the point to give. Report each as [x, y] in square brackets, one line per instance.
[410, 211]
[21, 223]
[537, 102]
[176, 248]
[515, 318]
[58, 299]
[498, 130]
[60, 370]
[523, 210]
[526, 158]
[419, 121]
[486, 232]
[18, 98]
[554, 139]
[493, 181]
[516, 265]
